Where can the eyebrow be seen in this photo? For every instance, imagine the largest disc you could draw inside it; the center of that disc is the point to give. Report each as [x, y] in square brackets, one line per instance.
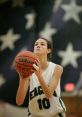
[40, 42]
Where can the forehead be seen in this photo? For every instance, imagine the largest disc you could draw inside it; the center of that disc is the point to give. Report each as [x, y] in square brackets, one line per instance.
[41, 41]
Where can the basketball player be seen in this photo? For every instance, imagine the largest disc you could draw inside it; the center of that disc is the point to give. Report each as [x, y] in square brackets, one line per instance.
[44, 85]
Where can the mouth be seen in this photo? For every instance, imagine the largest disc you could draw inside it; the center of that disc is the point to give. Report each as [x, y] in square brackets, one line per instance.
[37, 49]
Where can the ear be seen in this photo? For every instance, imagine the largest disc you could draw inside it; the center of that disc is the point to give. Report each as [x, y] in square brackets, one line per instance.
[49, 51]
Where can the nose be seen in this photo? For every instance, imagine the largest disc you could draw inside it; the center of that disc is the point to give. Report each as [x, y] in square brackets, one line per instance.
[38, 46]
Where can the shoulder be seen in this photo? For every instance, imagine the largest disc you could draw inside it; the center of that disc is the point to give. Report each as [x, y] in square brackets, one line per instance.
[59, 68]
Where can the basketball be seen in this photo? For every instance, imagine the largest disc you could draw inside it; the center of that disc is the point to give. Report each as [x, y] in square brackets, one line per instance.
[24, 63]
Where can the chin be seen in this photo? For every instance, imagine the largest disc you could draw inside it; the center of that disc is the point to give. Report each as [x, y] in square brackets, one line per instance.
[38, 53]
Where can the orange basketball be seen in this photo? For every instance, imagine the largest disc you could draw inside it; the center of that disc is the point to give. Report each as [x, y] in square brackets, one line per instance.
[24, 63]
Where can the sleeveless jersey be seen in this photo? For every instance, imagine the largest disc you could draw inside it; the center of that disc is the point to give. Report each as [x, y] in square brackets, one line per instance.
[39, 105]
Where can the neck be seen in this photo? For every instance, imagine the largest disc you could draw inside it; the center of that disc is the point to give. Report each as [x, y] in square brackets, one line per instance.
[44, 63]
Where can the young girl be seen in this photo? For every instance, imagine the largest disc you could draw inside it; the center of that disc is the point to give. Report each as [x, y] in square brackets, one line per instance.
[44, 85]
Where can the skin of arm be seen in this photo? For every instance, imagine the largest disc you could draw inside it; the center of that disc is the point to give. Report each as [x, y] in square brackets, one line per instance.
[49, 89]
[22, 90]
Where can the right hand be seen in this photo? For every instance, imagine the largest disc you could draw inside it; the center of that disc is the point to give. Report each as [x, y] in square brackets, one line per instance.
[37, 68]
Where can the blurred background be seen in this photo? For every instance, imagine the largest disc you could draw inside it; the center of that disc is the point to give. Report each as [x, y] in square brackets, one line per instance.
[21, 22]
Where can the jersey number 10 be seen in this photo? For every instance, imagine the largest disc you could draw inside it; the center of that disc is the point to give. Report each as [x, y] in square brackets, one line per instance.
[43, 103]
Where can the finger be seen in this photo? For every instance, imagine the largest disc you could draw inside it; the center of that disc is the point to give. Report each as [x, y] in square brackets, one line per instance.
[32, 70]
[36, 67]
[37, 62]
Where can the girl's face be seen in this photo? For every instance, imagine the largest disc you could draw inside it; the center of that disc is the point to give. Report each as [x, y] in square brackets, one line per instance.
[40, 47]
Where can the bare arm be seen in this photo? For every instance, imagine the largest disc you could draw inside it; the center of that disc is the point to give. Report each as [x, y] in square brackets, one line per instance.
[49, 89]
[22, 90]
[55, 79]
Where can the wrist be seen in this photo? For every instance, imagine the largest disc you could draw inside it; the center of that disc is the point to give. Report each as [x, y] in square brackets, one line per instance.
[39, 75]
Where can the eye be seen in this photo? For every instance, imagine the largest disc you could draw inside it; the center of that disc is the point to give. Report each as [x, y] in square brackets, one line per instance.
[35, 44]
[43, 44]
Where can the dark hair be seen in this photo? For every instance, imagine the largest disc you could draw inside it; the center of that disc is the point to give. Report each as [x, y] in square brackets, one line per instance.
[49, 46]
